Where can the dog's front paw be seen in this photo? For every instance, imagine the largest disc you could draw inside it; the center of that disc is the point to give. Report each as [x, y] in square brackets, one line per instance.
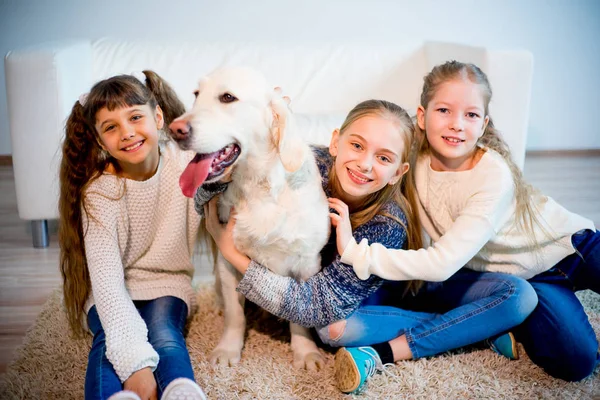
[226, 357]
[313, 361]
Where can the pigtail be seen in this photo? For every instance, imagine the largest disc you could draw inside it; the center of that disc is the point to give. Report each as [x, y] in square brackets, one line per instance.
[165, 96]
[526, 213]
[82, 161]
[407, 198]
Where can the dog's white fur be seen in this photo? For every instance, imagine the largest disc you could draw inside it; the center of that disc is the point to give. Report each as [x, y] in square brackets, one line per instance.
[282, 212]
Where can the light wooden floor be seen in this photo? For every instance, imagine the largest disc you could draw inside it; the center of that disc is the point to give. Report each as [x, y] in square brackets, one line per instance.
[28, 275]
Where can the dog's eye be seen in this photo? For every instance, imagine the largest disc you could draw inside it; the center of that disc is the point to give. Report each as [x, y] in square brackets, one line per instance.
[196, 93]
[227, 98]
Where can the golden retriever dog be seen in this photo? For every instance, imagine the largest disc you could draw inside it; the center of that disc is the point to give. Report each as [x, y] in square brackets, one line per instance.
[244, 132]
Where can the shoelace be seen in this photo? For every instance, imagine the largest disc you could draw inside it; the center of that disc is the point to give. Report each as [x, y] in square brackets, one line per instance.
[373, 363]
[387, 373]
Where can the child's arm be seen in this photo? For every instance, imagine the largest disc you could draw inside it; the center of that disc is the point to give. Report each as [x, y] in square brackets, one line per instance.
[437, 263]
[127, 346]
[223, 236]
[330, 295]
[480, 219]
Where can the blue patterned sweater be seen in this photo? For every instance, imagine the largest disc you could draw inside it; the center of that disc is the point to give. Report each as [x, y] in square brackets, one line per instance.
[335, 292]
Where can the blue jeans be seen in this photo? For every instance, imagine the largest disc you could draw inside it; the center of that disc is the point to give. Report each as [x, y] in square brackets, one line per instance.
[165, 318]
[558, 336]
[467, 308]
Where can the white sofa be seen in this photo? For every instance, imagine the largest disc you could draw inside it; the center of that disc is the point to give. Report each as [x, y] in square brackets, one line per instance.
[324, 82]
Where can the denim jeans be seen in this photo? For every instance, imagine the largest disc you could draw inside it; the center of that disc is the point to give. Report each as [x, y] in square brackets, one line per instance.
[558, 336]
[165, 318]
[467, 308]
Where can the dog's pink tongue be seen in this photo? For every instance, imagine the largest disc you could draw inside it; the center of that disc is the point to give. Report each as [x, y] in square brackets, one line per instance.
[194, 174]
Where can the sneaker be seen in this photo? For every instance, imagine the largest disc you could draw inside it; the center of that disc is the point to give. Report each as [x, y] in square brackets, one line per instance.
[125, 395]
[505, 345]
[183, 389]
[353, 366]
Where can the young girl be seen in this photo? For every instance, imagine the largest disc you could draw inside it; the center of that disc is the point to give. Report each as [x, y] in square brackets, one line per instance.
[365, 172]
[478, 210]
[127, 235]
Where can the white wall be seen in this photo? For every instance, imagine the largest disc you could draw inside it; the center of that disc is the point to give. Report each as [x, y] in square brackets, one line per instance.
[564, 37]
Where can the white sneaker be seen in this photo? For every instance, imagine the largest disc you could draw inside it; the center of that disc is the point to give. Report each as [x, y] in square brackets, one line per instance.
[124, 395]
[183, 389]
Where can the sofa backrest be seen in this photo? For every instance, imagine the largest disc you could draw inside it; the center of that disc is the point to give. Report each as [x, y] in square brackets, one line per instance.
[326, 81]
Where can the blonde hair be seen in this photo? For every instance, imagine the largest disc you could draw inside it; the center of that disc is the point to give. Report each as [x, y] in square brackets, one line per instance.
[403, 192]
[83, 160]
[526, 214]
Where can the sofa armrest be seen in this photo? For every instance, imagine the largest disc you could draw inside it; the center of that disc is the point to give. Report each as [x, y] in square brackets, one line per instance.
[42, 84]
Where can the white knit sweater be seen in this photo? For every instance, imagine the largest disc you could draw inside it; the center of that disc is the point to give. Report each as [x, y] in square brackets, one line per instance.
[470, 217]
[139, 239]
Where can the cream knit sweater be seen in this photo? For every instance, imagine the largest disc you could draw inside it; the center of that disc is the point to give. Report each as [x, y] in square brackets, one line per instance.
[139, 240]
[470, 217]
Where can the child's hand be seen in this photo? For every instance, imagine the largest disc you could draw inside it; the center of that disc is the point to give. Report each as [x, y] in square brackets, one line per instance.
[142, 382]
[341, 222]
[223, 236]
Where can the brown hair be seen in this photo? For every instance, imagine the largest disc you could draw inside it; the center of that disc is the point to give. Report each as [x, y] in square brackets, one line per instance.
[83, 160]
[403, 192]
[526, 217]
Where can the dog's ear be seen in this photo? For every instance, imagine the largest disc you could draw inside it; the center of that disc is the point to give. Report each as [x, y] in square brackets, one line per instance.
[285, 135]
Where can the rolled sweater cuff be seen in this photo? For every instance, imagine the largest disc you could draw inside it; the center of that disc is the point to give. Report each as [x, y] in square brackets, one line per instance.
[357, 255]
[264, 288]
[205, 193]
[253, 274]
[130, 359]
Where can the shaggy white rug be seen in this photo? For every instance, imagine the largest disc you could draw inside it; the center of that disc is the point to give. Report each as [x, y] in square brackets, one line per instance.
[51, 365]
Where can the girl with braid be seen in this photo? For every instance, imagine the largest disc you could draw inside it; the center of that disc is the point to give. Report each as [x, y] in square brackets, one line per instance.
[127, 236]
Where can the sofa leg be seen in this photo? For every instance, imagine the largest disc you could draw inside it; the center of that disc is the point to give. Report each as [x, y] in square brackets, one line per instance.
[39, 232]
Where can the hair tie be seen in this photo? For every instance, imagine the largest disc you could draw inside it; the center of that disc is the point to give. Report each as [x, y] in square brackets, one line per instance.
[140, 76]
[83, 98]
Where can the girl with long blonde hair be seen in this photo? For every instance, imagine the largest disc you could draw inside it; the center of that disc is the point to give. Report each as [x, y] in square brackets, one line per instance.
[126, 237]
[366, 174]
[480, 213]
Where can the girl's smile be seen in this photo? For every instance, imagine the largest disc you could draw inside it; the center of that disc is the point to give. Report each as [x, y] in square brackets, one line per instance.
[452, 141]
[357, 177]
[133, 147]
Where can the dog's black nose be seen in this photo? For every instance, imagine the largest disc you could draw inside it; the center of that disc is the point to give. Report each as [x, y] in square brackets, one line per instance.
[180, 129]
